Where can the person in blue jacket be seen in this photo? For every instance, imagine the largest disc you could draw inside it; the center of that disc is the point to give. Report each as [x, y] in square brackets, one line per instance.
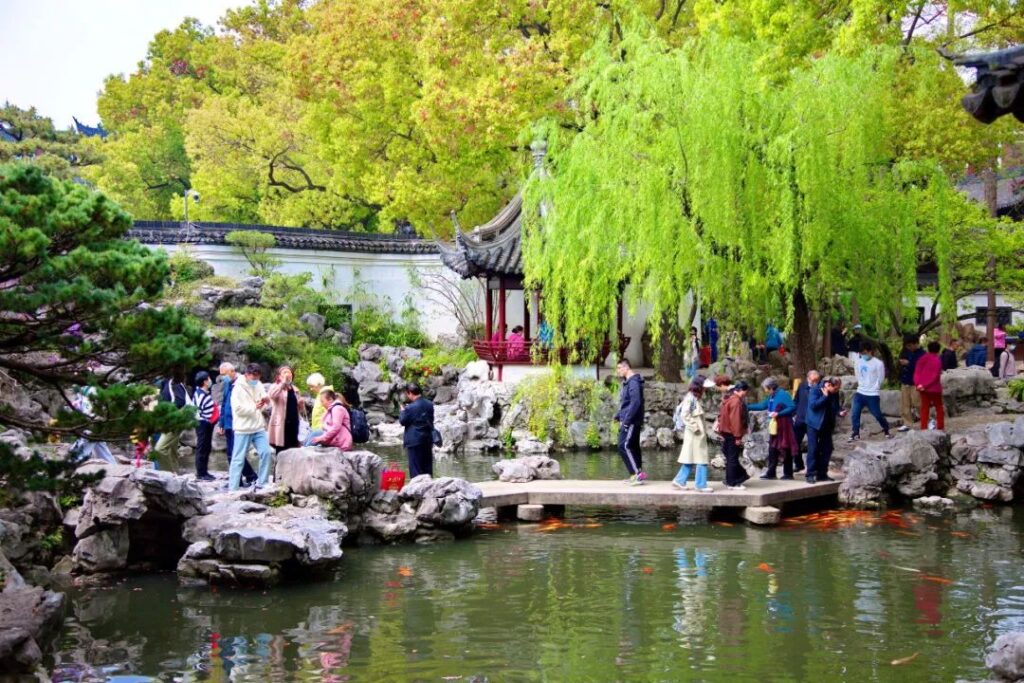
[631, 421]
[803, 393]
[978, 354]
[418, 419]
[823, 410]
[781, 440]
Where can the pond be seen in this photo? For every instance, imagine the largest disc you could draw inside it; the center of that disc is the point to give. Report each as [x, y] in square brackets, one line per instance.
[604, 595]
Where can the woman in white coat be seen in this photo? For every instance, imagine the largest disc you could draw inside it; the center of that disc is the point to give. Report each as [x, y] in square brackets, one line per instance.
[689, 418]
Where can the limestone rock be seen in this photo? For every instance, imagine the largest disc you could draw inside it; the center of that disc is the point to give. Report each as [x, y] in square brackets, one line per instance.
[367, 372]
[425, 510]
[1006, 658]
[527, 469]
[388, 434]
[477, 370]
[865, 478]
[103, 551]
[933, 503]
[984, 491]
[329, 473]
[370, 352]
[314, 323]
[665, 437]
[533, 447]
[29, 615]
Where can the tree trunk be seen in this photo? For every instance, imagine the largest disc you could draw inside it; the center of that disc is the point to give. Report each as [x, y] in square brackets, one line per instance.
[802, 347]
[992, 202]
[670, 349]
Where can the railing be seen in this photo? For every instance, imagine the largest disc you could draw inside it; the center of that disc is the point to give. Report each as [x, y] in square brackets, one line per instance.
[534, 352]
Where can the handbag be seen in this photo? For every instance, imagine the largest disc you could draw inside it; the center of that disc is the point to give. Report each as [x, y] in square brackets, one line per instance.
[393, 478]
[304, 430]
[436, 437]
[773, 427]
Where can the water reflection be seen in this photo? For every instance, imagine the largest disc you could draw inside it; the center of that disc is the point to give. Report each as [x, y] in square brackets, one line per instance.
[612, 598]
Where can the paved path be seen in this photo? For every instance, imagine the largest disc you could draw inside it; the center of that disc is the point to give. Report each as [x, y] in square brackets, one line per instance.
[650, 494]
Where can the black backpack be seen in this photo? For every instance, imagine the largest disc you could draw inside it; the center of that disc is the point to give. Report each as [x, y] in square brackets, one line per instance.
[360, 427]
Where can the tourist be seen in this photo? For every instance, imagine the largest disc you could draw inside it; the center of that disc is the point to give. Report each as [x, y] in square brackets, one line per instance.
[949, 356]
[546, 335]
[1006, 363]
[337, 423]
[225, 427]
[173, 391]
[978, 354]
[870, 375]
[732, 426]
[773, 339]
[781, 439]
[499, 334]
[630, 417]
[691, 356]
[689, 419]
[316, 385]
[909, 397]
[85, 448]
[206, 417]
[711, 335]
[418, 419]
[803, 393]
[999, 339]
[928, 379]
[822, 411]
[285, 411]
[837, 340]
[517, 344]
[855, 342]
[248, 399]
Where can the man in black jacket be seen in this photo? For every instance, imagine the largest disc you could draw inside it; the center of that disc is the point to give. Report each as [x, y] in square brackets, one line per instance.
[631, 421]
[418, 419]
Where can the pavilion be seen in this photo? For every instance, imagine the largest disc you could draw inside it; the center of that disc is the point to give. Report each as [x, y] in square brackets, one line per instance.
[493, 253]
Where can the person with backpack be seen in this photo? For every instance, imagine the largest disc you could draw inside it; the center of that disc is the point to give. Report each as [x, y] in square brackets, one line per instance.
[208, 413]
[336, 422]
[418, 419]
[165, 453]
[1006, 364]
[689, 419]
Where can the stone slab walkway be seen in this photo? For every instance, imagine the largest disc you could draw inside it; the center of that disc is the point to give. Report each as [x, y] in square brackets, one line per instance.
[650, 494]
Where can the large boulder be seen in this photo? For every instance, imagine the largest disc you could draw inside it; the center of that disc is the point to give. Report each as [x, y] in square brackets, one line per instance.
[1006, 657]
[425, 510]
[986, 461]
[137, 512]
[242, 541]
[527, 469]
[907, 467]
[314, 324]
[29, 616]
[329, 473]
[968, 384]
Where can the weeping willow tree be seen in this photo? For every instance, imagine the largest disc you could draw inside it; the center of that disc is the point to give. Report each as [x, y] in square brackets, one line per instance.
[765, 198]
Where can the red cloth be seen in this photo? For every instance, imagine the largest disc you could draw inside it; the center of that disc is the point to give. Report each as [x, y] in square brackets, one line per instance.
[929, 400]
[785, 437]
[928, 373]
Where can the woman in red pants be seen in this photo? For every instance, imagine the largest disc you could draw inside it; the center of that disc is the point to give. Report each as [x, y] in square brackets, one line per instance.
[928, 379]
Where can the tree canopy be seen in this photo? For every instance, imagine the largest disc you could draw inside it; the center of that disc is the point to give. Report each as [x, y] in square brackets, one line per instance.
[74, 308]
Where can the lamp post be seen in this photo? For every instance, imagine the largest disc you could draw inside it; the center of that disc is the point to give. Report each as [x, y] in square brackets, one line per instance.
[194, 195]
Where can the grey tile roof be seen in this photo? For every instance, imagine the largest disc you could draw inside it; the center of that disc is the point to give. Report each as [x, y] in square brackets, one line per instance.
[173, 232]
[493, 248]
[1009, 189]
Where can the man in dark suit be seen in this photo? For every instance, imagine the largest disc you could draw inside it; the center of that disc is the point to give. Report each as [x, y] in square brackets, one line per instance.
[418, 419]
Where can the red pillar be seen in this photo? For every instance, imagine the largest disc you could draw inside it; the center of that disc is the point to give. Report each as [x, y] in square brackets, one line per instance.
[489, 312]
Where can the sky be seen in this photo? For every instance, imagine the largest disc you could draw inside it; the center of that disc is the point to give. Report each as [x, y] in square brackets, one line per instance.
[55, 54]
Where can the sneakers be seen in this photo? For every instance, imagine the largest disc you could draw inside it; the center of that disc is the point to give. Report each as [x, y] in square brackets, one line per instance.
[681, 487]
[706, 489]
[890, 435]
[641, 476]
[903, 428]
[738, 487]
[853, 437]
[635, 480]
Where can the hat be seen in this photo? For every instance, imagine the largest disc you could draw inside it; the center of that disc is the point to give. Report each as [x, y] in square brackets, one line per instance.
[858, 326]
[201, 377]
[709, 384]
[315, 380]
[741, 386]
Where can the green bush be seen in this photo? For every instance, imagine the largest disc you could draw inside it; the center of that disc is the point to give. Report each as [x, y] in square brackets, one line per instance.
[1016, 387]
[187, 268]
[547, 398]
[434, 358]
[374, 325]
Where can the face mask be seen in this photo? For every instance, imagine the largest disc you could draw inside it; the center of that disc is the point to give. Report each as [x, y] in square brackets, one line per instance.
[253, 382]
[865, 356]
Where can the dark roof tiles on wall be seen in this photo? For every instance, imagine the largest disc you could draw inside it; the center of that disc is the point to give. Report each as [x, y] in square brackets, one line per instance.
[173, 232]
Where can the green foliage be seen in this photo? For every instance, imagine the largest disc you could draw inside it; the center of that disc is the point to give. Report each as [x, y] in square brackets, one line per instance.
[759, 194]
[187, 268]
[253, 245]
[1016, 387]
[37, 473]
[434, 359]
[548, 399]
[375, 325]
[53, 541]
[61, 153]
[280, 499]
[65, 263]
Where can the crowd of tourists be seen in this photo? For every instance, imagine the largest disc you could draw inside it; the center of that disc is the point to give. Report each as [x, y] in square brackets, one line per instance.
[267, 419]
[811, 414]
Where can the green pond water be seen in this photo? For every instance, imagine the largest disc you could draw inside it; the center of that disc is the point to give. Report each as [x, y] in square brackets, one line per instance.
[615, 595]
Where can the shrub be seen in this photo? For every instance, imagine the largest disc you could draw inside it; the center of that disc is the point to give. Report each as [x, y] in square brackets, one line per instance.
[253, 245]
[547, 399]
[1016, 387]
[187, 268]
[374, 325]
[433, 360]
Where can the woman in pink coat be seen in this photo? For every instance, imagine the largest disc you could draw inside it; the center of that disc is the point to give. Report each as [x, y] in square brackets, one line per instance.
[286, 409]
[337, 423]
